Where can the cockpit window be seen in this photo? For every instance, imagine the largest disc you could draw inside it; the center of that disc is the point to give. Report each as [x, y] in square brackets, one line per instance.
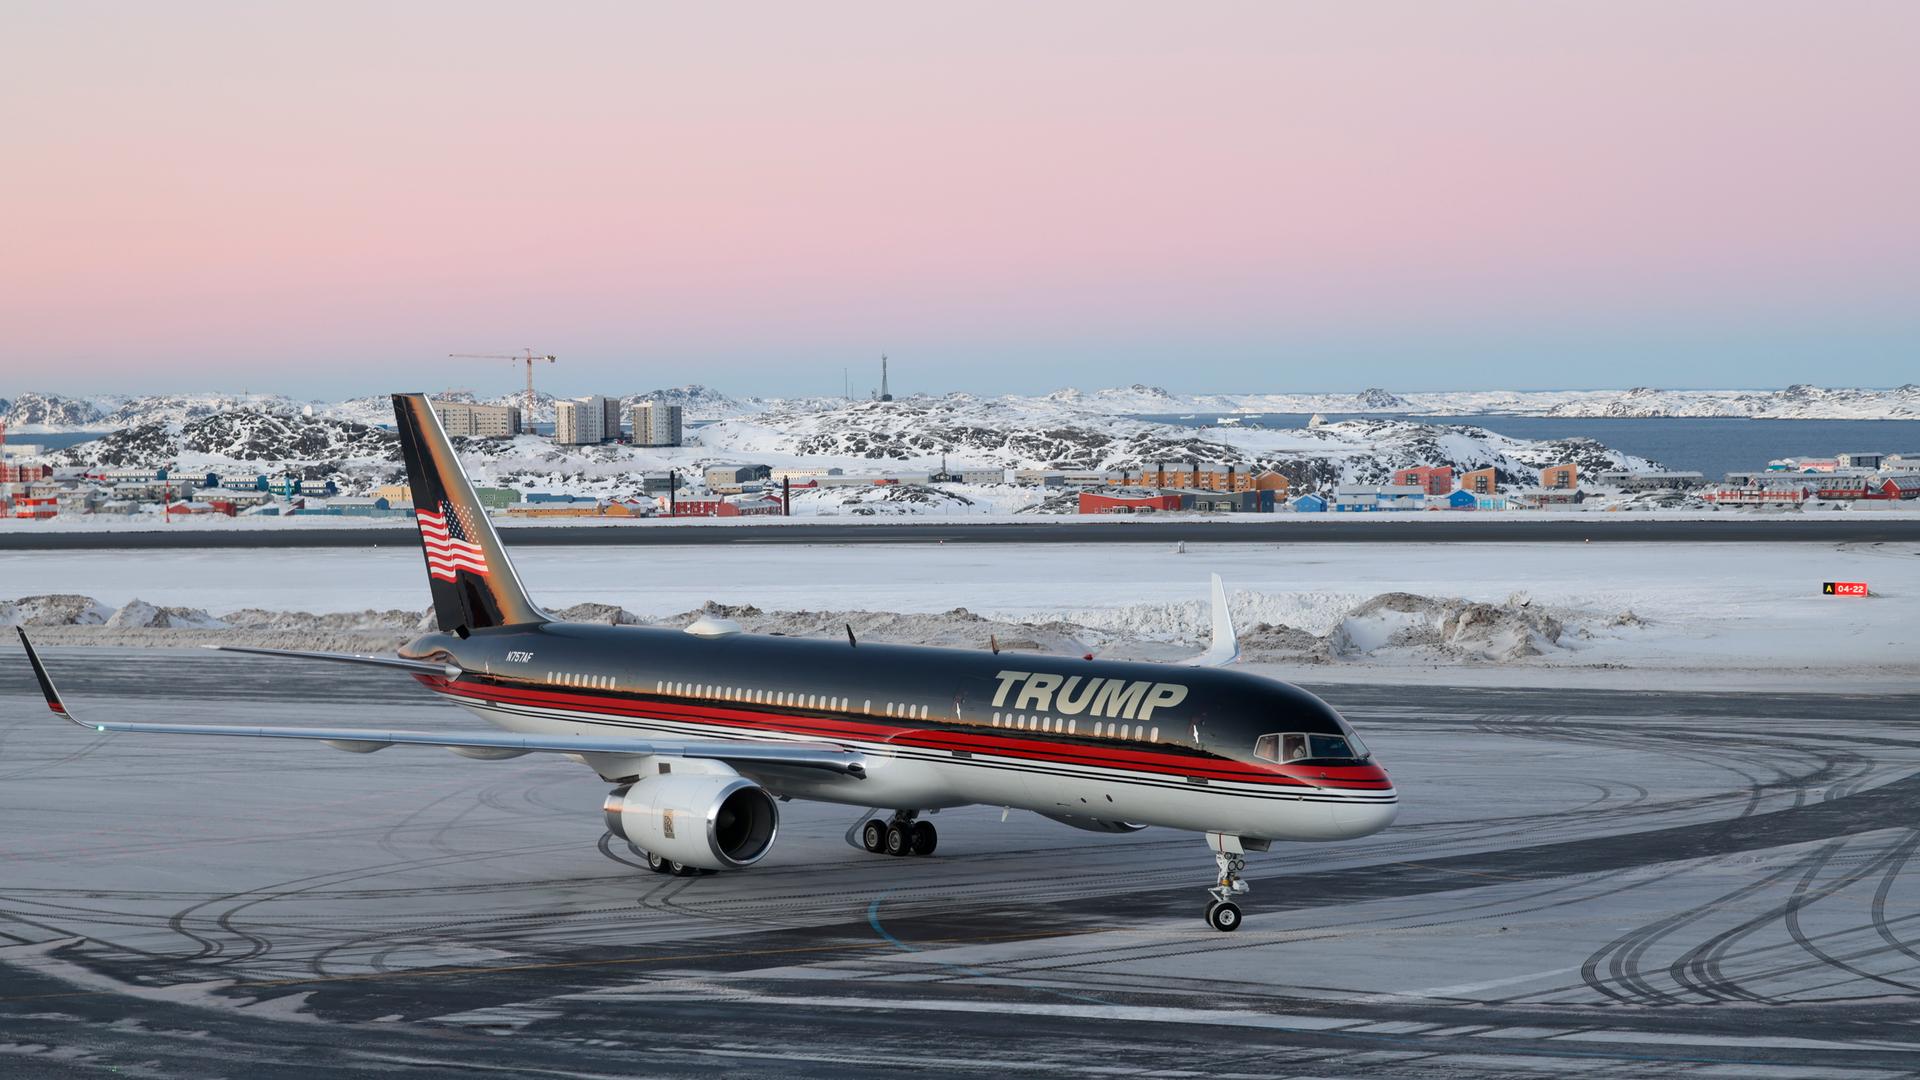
[1286, 747]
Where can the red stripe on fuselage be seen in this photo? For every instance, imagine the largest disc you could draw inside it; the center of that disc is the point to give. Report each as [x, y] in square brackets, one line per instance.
[1346, 777]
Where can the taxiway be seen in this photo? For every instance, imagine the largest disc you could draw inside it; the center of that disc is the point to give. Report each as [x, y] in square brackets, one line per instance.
[1581, 882]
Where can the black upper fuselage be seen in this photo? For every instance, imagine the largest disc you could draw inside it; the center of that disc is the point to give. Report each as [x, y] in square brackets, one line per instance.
[1202, 711]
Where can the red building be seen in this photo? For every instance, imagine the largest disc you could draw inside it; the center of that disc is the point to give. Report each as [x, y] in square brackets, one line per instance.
[1869, 487]
[1757, 496]
[1900, 487]
[1432, 479]
[1848, 487]
[1094, 502]
[724, 508]
[36, 507]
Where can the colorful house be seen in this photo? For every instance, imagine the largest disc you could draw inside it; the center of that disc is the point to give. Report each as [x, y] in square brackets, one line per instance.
[1480, 482]
[1432, 479]
[1563, 477]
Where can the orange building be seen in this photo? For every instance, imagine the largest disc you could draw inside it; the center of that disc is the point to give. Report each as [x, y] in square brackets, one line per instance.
[1432, 479]
[1274, 482]
[1563, 477]
[1194, 475]
[1480, 482]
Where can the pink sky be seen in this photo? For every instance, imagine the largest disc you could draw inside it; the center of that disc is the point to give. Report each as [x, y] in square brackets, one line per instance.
[1003, 196]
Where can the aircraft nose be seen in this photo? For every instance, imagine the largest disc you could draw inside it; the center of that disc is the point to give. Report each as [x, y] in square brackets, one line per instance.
[1364, 819]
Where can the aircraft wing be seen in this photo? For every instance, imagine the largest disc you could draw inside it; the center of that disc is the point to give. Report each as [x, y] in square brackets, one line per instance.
[481, 744]
[1226, 643]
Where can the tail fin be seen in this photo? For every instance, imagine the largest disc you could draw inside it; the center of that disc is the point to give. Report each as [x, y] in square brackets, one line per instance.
[473, 582]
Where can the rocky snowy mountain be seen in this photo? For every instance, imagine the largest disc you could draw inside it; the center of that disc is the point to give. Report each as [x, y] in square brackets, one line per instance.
[1058, 431]
[921, 432]
[238, 435]
[1797, 402]
[28, 413]
[49, 412]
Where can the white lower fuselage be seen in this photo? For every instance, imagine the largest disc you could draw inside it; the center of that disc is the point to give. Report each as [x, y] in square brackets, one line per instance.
[911, 777]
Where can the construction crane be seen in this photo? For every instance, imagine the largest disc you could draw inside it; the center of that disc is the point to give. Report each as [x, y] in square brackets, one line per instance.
[526, 356]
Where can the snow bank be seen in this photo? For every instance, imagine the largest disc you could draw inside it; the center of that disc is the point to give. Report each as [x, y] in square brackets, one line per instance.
[1379, 627]
[139, 613]
[60, 609]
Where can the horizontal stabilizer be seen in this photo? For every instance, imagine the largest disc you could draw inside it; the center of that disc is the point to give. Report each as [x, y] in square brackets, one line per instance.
[418, 667]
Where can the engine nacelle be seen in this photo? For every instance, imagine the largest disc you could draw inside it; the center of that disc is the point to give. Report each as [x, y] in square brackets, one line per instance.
[710, 820]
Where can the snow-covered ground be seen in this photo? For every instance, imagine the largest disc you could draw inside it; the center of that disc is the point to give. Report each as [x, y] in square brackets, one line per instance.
[1747, 616]
[917, 436]
[1095, 431]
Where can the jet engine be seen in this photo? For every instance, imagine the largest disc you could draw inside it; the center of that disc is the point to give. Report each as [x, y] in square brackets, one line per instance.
[713, 821]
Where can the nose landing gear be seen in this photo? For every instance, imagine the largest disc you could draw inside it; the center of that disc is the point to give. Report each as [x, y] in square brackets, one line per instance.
[1230, 856]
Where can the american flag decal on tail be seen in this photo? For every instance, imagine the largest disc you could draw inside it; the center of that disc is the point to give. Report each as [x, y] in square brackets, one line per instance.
[448, 549]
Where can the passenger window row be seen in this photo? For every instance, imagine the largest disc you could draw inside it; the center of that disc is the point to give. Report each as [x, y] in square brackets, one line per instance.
[788, 699]
[899, 710]
[1055, 725]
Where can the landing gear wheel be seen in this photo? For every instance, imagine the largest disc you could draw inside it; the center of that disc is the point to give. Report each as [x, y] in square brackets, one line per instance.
[657, 864]
[1224, 916]
[925, 838]
[899, 840]
[680, 869]
[873, 836]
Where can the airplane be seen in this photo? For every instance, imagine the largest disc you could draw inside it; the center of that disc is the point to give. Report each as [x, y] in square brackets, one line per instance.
[703, 732]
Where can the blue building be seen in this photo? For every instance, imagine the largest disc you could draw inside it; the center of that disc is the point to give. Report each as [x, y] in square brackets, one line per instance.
[1459, 500]
[1309, 504]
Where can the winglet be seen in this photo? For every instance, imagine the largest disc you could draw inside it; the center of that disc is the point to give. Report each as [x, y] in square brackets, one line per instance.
[46, 681]
[1225, 648]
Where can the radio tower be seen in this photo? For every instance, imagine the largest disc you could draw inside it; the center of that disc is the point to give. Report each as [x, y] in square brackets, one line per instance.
[885, 395]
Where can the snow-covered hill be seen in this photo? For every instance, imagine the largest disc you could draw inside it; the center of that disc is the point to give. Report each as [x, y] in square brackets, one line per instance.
[1055, 433]
[49, 412]
[28, 413]
[1060, 431]
[249, 435]
[1799, 402]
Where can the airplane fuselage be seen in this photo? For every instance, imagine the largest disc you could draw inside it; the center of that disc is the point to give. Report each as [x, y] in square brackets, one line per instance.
[1087, 740]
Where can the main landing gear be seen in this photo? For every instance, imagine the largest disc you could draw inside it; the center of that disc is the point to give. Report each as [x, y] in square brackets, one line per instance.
[1228, 853]
[675, 867]
[904, 835]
